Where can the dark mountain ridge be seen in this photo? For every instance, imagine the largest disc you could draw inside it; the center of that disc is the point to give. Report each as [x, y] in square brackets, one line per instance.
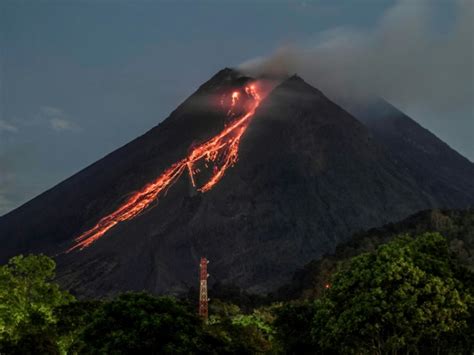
[308, 175]
[442, 171]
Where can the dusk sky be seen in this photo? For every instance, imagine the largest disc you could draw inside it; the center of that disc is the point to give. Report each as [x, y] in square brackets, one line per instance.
[81, 78]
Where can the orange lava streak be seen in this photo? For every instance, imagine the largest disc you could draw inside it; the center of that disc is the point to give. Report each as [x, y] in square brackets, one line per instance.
[221, 150]
[235, 98]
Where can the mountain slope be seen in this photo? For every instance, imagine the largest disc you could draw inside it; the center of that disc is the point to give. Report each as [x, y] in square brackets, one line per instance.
[440, 170]
[308, 176]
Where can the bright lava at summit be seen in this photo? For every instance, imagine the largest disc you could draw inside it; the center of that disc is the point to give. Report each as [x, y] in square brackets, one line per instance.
[221, 151]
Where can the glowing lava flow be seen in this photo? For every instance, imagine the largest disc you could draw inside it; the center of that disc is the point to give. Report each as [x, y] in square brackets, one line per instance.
[222, 150]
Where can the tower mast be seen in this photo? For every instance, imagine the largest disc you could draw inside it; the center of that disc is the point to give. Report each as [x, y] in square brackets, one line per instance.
[203, 298]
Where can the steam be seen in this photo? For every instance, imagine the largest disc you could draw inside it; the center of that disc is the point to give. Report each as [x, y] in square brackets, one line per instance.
[403, 59]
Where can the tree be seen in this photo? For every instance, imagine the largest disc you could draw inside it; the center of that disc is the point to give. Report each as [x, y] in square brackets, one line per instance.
[137, 323]
[396, 299]
[28, 298]
[293, 327]
[229, 331]
[32, 336]
[72, 319]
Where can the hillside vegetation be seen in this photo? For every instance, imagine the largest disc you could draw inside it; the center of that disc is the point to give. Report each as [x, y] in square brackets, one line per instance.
[457, 226]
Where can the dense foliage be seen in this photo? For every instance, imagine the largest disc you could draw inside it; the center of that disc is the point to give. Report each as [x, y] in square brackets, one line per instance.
[28, 300]
[408, 295]
[413, 293]
[138, 323]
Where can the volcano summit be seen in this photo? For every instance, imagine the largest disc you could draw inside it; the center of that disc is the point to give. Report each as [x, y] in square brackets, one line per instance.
[259, 179]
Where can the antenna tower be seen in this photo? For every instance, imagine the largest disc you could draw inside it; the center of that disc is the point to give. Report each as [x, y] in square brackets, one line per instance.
[203, 298]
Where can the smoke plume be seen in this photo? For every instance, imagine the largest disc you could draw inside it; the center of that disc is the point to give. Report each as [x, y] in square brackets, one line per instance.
[404, 59]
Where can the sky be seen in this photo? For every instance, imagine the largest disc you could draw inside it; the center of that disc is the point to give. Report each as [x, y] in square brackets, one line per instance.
[80, 78]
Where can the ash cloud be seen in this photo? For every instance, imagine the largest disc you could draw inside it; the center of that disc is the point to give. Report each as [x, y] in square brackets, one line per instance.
[403, 59]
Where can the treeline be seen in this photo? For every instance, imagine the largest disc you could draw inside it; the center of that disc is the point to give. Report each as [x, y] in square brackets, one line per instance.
[37, 317]
[414, 293]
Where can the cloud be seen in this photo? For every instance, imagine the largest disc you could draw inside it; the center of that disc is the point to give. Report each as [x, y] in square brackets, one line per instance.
[36, 136]
[51, 111]
[403, 59]
[7, 127]
[60, 124]
[57, 119]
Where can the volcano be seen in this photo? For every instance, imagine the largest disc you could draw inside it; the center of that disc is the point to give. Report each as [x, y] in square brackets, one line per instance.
[258, 178]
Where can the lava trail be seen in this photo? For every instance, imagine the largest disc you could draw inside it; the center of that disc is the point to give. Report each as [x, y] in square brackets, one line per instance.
[221, 151]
